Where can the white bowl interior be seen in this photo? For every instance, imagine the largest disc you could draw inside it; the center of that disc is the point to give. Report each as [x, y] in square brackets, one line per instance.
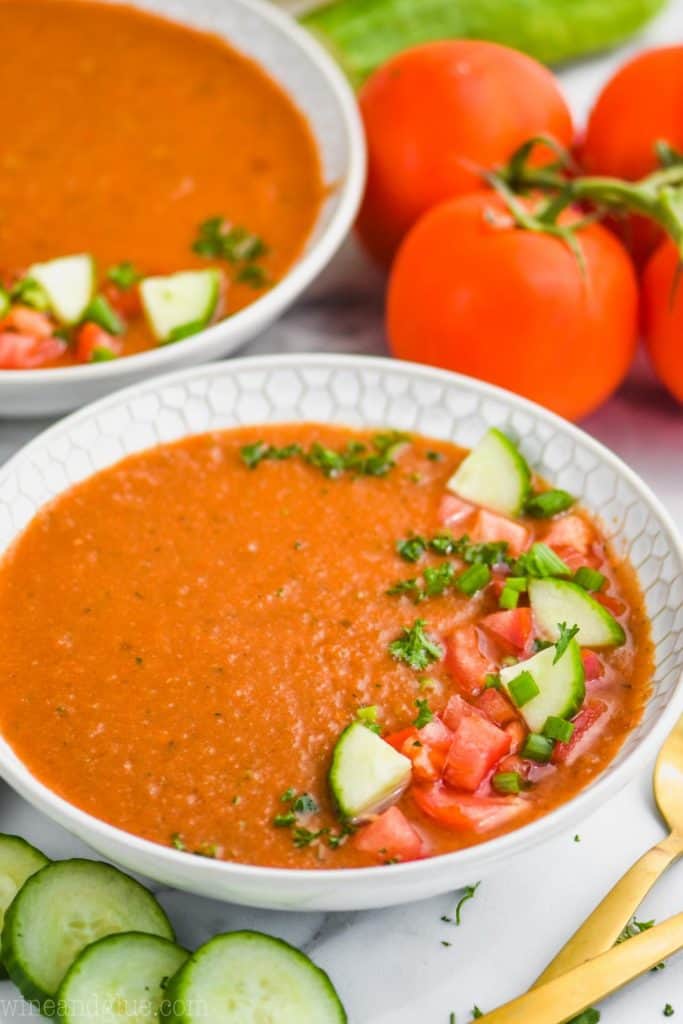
[364, 392]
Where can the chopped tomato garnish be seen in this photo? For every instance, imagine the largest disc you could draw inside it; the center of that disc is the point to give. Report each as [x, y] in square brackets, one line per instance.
[91, 339]
[25, 320]
[397, 739]
[426, 748]
[477, 747]
[463, 812]
[592, 665]
[490, 527]
[612, 604]
[436, 734]
[515, 628]
[24, 352]
[453, 511]
[390, 837]
[496, 706]
[517, 731]
[570, 532]
[592, 711]
[126, 301]
[465, 661]
[456, 709]
[514, 763]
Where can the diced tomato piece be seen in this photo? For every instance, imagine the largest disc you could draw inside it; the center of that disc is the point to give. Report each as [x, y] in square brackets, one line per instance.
[514, 627]
[90, 338]
[514, 763]
[592, 665]
[25, 352]
[453, 511]
[462, 812]
[436, 734]
[489, 527]
[456, 709]
[496, 707]
[126, 301]
[465, 661]
[612, 604]
[517, 731]
[25, 320]
[477, 746]
[397, 739]
[591, 712]
[570, 532]
[390, 837]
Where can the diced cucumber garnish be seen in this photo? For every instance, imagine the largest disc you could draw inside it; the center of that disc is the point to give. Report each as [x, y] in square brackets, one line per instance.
[366, 774]
[561, 685]
[18, 861]
[554, 601]
[246, 976]
[63, 908]
[494, 474]
[5, 301]
[119, 978]
[180, 304]
[69, 284]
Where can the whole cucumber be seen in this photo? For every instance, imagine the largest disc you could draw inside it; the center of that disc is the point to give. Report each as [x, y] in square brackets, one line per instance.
[362, 34]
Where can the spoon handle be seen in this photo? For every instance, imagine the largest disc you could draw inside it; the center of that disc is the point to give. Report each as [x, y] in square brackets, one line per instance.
[562, 999]
[601, 930]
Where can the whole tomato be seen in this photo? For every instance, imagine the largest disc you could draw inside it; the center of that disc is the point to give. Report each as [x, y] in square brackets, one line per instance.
[437, 116]
[662, 296]
[642, 104]
[471, 291]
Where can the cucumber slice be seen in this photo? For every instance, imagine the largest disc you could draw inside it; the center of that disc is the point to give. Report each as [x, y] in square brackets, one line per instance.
[366, 774]
[62, 909]
[119, 978]
[554, 601]
[69, 283]
[180, 304]
[240, 977]
[18, 861]
[494, 474]
[562, 685]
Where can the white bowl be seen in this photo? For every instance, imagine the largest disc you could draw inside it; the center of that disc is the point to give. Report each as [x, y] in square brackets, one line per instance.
[370, 392]
[318, 88]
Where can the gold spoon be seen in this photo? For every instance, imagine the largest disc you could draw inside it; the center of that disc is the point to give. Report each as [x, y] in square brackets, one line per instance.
[604, 926]
[562, 999]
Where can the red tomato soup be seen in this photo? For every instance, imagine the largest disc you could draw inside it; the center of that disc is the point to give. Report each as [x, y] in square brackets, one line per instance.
[147, 148]
[294, 645]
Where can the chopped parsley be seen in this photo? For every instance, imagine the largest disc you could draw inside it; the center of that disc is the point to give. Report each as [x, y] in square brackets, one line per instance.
[177, 841]
[284, 820]
[424, 714]
[565, 638]
[589, 1016]
[29, 292]
[305, 804]
[439, 578]
[668, 1010]
[546, 504]
[636, 927]
[218, 239]
[357, 458]
[577, 838]
[367, 716]
[303, 837]
[470, 890]
[477, 1013]
[414, 647]
[124, 274]
[288, 795]
[410, 587]
[254, 275]
[540, 561]
[411, 549]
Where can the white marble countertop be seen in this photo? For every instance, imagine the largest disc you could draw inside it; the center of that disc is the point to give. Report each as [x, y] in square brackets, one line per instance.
[404, 965]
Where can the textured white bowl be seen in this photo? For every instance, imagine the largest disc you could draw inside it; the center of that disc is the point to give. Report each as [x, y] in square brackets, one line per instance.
[318, 88]
[366, 392]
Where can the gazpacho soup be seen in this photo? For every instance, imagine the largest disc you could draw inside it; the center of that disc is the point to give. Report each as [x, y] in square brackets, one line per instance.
[152, 181]
[308, 646]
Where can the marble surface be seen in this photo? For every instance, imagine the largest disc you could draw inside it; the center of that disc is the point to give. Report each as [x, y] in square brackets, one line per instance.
[404, 965]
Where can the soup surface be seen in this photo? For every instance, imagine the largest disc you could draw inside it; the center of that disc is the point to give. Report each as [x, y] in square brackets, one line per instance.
[134, 133]
[185, 635]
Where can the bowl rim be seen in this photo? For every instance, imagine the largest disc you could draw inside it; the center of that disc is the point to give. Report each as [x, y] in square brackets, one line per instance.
[527, 836]
[308, 264]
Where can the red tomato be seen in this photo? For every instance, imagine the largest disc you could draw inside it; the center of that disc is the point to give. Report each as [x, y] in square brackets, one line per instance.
[663, 317]
[570, 532]
[28, 321]
[465, 661]
[640, 105]
[453, 511]
[426, 748]
[490, 527]
[514, 627]
[390, 837]
[436, 117]
[25, 352]
[126, 301]
[592, 666]
[496, 706]
[586, 719]
[469, 291]
[92, 338]
[463, 812]
[477, 747]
